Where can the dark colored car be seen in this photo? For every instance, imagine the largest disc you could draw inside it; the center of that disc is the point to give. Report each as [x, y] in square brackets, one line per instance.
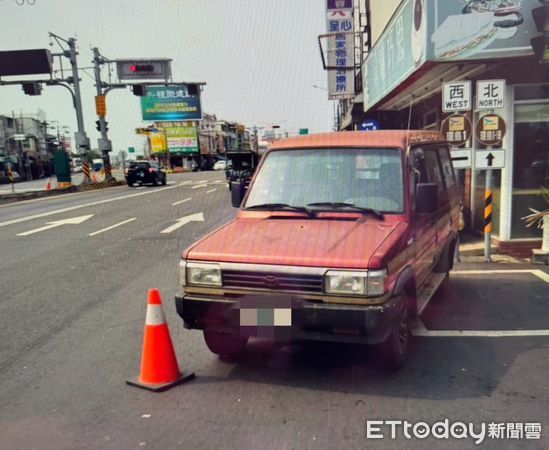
[145, 172]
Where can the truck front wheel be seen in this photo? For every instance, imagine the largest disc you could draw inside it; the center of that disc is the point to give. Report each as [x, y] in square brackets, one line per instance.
[394, 350]
[225, 344]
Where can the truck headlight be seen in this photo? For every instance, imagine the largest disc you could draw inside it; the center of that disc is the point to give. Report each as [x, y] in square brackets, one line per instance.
[375, 285]
[182, 273]
[367, 283]
[203, 274]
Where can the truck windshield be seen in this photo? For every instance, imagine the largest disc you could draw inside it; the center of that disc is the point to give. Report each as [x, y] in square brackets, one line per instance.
[366, 178]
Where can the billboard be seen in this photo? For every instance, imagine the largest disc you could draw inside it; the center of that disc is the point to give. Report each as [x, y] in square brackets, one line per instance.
[170, 103]
[480, 29]
[182, 140]
[442, 31]
[340, 49]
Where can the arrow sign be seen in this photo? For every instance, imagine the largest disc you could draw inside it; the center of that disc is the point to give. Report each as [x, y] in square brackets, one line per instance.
[57, 223]
[489, 159]
[461, 158]
[198, 217]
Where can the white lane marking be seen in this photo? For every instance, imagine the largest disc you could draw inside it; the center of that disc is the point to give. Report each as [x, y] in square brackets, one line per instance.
[183, 183]
[58, 223]
[170, 183]
[219, 181]
[420, 330]
[198, 217]
[199, 186]
[202, 181]
[536, 272]
[112, 226]
[210, 191]
[181, 201]
[140, 187]
[85, 205]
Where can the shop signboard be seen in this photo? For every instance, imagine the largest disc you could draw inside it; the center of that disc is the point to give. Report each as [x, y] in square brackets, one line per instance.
[340, 49]
[182, 140]
[398, 53]
[480, 29]
[441, 31]
[170, 103]
[158, 142]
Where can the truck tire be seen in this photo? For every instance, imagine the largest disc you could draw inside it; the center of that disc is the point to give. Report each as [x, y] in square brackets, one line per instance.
[394, 350]
[225, 344]
[130, 183]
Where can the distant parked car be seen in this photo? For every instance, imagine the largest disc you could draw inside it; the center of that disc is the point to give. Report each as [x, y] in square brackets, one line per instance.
[145, 172]
[220, 165]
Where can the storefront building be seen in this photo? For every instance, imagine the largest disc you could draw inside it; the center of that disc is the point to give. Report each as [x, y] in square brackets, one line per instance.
[426, 43]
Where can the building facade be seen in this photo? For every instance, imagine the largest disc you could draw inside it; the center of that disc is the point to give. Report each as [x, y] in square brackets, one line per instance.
[416, 46]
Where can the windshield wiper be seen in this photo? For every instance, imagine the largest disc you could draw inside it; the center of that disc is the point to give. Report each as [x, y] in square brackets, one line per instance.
[279, 206]
[343, 205]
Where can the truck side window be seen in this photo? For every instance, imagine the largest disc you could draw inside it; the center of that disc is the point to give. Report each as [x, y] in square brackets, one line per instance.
[426, 168]
[446, 165]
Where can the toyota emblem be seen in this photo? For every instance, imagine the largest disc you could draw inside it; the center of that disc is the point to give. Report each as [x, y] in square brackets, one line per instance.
[270, 281]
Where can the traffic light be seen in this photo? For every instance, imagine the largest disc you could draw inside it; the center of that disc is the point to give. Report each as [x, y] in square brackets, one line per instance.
[32, 88]
[192, 89]
[98, 125]
[140, 90]
[540, 44]
[141, 68]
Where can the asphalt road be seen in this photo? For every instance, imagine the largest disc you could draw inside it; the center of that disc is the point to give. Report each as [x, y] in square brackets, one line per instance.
[72, 313]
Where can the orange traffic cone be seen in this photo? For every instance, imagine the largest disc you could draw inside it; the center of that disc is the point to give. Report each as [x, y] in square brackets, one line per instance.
[159, 368]
[94, 178]
[48, 186]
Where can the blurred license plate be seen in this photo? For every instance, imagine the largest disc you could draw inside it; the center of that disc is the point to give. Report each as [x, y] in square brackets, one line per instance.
[265, 317]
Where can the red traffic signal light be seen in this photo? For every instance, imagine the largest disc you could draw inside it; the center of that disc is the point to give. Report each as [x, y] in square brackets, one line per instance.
[141, 68]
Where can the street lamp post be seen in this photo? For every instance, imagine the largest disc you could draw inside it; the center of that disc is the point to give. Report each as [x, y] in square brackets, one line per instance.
[335, 125]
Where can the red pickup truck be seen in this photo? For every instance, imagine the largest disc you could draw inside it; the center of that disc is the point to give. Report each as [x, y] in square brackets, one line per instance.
[339, 237]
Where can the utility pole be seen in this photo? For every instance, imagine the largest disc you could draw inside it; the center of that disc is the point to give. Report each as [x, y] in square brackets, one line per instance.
[105, 145]
[81, 140]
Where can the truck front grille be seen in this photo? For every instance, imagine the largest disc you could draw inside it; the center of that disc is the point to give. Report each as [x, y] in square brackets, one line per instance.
[273, 281]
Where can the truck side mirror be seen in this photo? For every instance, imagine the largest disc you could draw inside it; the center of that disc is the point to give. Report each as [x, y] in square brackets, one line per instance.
[238, 190]
[426, 197]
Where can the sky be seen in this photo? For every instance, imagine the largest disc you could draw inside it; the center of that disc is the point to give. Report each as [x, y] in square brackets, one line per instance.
[259, 58]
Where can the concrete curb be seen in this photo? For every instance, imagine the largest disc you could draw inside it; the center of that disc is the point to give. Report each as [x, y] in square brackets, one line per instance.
[22, 196]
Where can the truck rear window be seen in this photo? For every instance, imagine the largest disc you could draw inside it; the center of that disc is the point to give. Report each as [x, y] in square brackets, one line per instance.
[369, 178]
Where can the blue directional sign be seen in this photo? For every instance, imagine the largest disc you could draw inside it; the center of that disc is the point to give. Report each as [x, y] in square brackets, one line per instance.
[370, 125]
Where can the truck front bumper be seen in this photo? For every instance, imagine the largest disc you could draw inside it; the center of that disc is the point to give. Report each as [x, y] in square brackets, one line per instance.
[367, 324]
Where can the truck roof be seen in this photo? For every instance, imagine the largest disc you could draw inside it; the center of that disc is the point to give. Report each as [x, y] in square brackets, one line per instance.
[382, 138]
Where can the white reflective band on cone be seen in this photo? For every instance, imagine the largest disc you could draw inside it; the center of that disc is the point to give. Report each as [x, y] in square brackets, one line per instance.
[155, 315]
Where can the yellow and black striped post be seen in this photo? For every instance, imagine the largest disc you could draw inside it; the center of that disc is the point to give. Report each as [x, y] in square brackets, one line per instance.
[108, 170]
[86, 171]
[488, 211]
[488, 216]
